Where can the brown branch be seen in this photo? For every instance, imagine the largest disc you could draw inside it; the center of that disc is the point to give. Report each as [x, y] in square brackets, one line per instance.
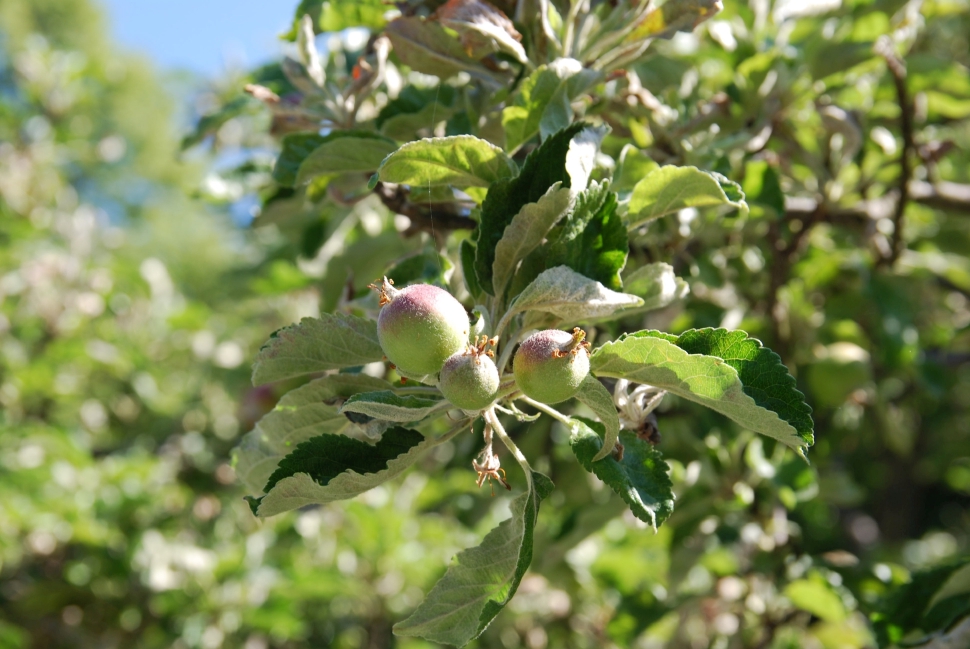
[951, 197]
[423, 218]
[897, 69]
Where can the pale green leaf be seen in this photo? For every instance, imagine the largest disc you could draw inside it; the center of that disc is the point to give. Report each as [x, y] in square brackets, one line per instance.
[764, 377]
[542, 102]
[672, 17]
[306, 412]
[295, 149]
[708, 380]
[633, 166]
[670, 189]
[348, 154]
[641, 477]
[598, 399]
[460, 161]
[581, 158]
[526, 231]
[333, 467]
[657, 285]
[570, 296]
[332, 341]
[483, 579]
[393, 407]
[816, 597]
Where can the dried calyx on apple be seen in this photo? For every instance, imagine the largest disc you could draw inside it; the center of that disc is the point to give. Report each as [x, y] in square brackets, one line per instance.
[420, 327]
[550, 365]
[470, 379]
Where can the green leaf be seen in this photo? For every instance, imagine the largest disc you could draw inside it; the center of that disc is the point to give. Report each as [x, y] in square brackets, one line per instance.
[460, 161]
[211, 123]
[592, 239]
[542, 169]
[526, 231]
[656, 359]
[672, 17]
[392, 407]
[633, 166]
[598, 399]
[657, 285]
[332, 341]
[414, 99]
[542, 103]
[333, 467]
[670, 189]
[483, 28]
[483, 580]
[296, 148]
[427, 267]
[338, 15]
[762, 185]
[581, 157]
[640, 478]
[816, 597]
[931, 601]
[468, 269]
[570, 296]
[764, 376]
[345, 152]
[425, 46]
[306, 412]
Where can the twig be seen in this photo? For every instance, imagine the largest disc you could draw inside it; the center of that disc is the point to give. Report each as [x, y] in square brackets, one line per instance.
[397, 199]
[897, 69]
[492, 419]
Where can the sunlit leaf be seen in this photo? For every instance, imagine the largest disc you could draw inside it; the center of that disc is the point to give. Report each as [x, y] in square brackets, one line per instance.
[483, 579]
[640, 477]
[332, 341]
[671, 189]
[460, 161]
[656, 359]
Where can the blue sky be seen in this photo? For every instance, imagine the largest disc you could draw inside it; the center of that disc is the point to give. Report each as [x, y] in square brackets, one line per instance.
[204, 36]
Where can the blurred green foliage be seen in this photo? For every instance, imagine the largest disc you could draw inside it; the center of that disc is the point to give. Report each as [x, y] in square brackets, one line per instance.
[131, 306]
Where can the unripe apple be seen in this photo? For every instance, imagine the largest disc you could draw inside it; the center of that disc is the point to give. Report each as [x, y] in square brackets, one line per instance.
[550, 365]
[470, 379]
[420, 327]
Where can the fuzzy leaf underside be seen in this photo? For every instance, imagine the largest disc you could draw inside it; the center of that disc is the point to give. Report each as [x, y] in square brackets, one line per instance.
[597, 398]
[483, 579]
[460, 161]
[571, 296]
[764, 377]
[657, 285]
[641, 478]
[526, 231]
[333, 467]
[649, 357]
[392, 407]
[543, 168]
[332, 341]
[670, 189]
[301, 414]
